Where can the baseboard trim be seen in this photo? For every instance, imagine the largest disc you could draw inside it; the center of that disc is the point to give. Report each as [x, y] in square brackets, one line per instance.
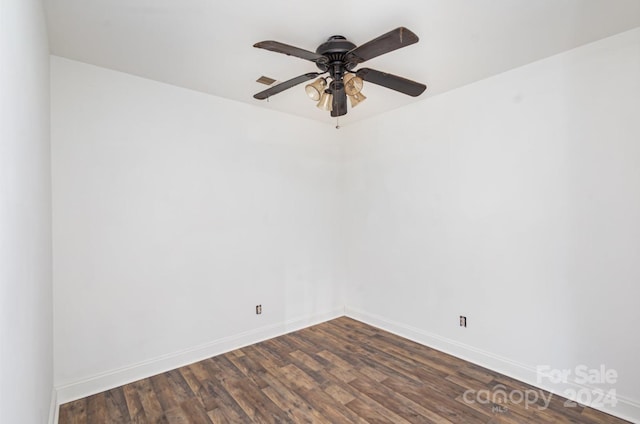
[625, 408]
[53, 407]
[118, 377]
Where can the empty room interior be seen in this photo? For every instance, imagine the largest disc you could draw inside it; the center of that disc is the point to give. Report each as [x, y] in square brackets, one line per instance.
[360, 212]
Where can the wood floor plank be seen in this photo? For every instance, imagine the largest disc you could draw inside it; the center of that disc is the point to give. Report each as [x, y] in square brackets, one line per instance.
[178, 385]
[226, 403]
[306, 360]
[298, 340]
[204, 396]
[194, 411]
[222, 367]
[406, 408]
[297, 377]
[271, 356]
[97, 408]
[257, 355]
[340, 371]
[163, 390]
[293, 404]
[117, 406]
[339, 394]
[257, 406]
[134, 405]
[148, 399]
[74, 412]
[314, 398]
[441, 405]
[200, 371]
[333, 411]
[250, 369]
[436, 360]
[217, 416]
[374, 413]
[175, 415]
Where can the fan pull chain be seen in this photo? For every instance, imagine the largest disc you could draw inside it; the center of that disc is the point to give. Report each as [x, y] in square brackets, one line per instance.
[337, 122]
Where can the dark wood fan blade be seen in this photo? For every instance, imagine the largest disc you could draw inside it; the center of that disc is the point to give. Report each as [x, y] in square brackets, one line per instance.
[392, 40]
[285, 85]
[339, 106]
[393, 82]
[278, 47]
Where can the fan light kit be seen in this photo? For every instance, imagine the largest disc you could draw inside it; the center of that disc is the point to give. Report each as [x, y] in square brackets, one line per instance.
[338, 57]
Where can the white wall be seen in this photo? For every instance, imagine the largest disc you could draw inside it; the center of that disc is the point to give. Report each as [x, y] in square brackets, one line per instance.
[176, 213]
[514, 201]
[26, 355]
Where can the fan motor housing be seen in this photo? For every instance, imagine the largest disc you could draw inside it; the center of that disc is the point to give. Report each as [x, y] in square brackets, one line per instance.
[334, 49]
[336, 44]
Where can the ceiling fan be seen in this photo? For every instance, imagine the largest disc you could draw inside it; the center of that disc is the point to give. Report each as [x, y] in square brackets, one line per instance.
[338, 57]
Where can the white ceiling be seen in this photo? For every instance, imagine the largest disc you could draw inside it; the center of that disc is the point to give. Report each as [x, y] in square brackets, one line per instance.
[206, 45]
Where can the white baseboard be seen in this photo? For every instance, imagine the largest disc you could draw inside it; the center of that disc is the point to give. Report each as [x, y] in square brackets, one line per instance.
[53, 407]
[118, 377]
[625, 408]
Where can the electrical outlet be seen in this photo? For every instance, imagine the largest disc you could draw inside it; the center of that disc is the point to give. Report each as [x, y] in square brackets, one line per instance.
[463, 321]
[258, 309]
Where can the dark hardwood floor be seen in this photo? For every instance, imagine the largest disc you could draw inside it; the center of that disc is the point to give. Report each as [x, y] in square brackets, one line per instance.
[341, 371]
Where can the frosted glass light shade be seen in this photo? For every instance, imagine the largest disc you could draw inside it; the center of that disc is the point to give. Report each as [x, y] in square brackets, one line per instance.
[352, 84]
[356, 99]
[316, 88]
[326, 101]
